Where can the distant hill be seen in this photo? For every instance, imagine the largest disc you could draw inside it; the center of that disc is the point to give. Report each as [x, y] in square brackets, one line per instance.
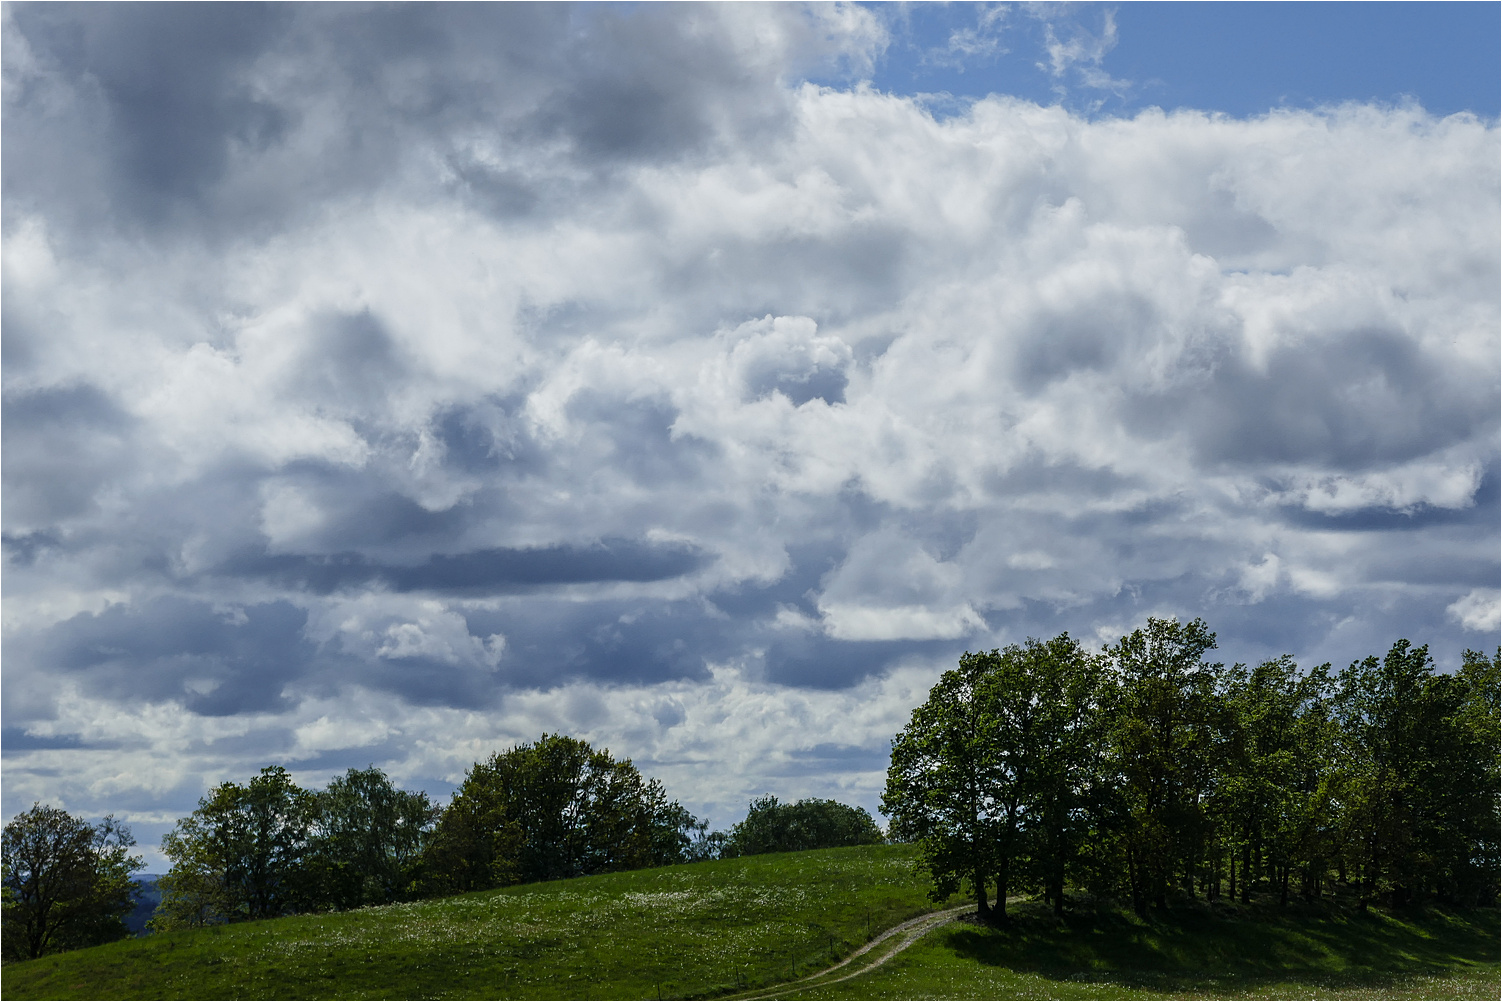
[148, 897]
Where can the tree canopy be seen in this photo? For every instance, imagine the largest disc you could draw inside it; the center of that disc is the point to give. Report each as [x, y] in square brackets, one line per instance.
[549, 809]
[243, 854]
[66, 883]
[811, 823]
[1145, 771]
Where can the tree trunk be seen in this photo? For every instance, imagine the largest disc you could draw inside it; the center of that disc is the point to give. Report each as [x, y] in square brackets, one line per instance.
[1134, 877]
[1001, 892]
[1231, 859]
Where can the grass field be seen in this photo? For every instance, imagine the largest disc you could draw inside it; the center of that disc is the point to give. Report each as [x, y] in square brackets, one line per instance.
[712, 929]
[695, 930]
[1304, 952]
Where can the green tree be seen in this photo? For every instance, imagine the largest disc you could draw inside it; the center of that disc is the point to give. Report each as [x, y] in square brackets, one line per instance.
[367, 839]
[1271, 801]
[1419, 760]
[556, 808]
[1058, 728]
[1479, 719]
[941, 785]
[1162, 746]
[994, 774]
[66, 883]
[811, 823]
[1311, 822]
[243, 854]
[1380, 703]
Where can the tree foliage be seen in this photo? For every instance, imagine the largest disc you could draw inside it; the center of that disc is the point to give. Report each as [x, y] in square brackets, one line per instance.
[367, 839]
[66, 883]
[1147, 772]
[550, 809]
[1162, 703]
[811, 823]
[939, 792]
[243, 854]
[990, 776]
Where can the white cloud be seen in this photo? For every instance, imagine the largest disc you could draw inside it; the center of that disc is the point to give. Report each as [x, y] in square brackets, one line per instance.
[902, 622]
[1480, 609]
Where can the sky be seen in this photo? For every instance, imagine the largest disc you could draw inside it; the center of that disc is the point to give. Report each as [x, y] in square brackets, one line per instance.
[389, 385]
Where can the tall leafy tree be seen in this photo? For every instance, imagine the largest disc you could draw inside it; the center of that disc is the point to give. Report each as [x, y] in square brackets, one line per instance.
[1150, 770]
[66, 883]
[550, 809]
[1479, 717]
[243, 854]
[1381, 709]
[1455, 796]
[1055, 689]
[1419, 758]
[1271, 796]
[1163, 704]
[941, 791]
[367, 839]
[1312, 821]
[994, 773]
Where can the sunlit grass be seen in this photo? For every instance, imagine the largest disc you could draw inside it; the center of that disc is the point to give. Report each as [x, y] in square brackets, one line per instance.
[696, 930]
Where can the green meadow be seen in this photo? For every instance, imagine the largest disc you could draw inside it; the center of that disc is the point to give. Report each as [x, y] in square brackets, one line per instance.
[694, 930]
[736, 926]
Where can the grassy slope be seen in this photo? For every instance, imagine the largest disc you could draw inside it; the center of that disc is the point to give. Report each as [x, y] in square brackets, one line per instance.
[701, 929]
[1197, 952]
[712, 928]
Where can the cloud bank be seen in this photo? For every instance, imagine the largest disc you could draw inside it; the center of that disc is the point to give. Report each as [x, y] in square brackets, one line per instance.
[391, 385]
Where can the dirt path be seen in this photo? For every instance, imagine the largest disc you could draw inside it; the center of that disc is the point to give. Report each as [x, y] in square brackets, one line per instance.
[906, 934]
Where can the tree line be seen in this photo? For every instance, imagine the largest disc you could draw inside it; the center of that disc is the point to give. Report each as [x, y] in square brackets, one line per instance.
[1144, 772]
[542, 810]
[1139, 773]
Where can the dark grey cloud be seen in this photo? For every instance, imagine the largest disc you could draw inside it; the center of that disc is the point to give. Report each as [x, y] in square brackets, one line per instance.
[350, 363]
[62, 445]
[1091, 335]
[826, 758]
[217, 662]
[1350, 402]
[479, 572]
[17, 739]
[189, 106]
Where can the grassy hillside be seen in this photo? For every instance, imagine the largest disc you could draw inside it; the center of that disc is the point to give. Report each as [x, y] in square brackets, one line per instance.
[695, 930]
[720, 928]
[1195, 952]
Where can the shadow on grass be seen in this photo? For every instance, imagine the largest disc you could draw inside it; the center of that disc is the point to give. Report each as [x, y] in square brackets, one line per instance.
[1196, 942]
